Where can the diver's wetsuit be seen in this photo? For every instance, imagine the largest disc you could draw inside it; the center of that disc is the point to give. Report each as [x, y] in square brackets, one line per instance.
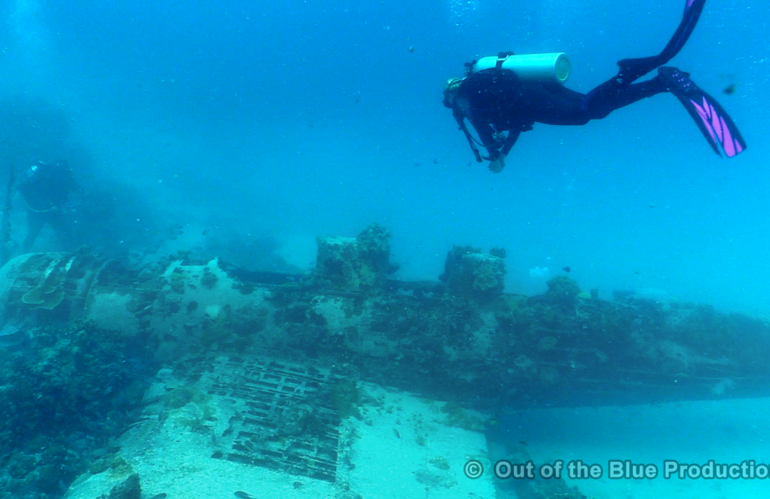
[496, 100]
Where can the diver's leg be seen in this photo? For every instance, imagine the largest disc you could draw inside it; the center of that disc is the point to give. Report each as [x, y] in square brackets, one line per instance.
[715, 124]
[558, 105]
[555, 105]
[612, 95]
[632, 69]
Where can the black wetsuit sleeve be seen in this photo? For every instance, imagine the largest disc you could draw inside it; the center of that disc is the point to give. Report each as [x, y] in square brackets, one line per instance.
[493, 147]
[487, 137]
[513, 136]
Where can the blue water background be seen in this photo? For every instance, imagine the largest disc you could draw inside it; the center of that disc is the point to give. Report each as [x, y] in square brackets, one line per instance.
[690, 433]
[301, 118]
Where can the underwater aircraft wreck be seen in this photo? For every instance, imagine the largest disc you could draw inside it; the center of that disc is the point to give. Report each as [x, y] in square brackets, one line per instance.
[276, 385]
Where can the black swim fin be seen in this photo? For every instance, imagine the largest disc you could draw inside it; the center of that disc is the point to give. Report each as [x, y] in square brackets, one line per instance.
[715, 124]
[633, 69]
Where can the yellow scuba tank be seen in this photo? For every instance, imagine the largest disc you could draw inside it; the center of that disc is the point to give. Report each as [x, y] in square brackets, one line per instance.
[553, 66]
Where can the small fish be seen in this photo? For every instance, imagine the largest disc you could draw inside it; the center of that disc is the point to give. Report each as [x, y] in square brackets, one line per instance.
[729, 89]
[566, 269]
[162, 495]
[243, 495]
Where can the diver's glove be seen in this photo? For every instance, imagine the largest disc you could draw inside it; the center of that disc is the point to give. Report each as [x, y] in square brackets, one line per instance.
[497, 165]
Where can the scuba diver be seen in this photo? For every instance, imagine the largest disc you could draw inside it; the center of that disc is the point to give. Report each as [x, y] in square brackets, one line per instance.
[45, 189]
[496, 99]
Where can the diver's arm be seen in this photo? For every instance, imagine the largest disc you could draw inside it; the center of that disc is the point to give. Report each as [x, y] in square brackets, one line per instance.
[513, 136]
[496, 156]
[487, 136]
[496, 164]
